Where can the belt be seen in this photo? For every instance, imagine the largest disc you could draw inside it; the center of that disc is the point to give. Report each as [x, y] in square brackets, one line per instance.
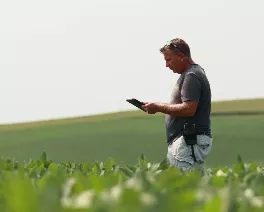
[198, 133]
[204, 133]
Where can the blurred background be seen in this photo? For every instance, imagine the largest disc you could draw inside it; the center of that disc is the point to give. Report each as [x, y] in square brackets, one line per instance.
[68, 66]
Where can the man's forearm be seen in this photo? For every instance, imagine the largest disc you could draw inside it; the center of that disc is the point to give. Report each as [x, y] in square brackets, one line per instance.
[181, 109]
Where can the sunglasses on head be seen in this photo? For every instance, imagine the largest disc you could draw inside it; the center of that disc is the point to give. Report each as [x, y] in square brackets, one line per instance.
[172, 45]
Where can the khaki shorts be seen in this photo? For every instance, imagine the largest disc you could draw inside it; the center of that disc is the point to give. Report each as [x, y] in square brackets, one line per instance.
[180, 154]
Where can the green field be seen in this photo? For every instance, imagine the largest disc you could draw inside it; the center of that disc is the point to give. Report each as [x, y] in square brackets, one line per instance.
[106, 186]
[125, 136]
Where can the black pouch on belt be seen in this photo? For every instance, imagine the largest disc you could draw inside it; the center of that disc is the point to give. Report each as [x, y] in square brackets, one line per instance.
[189, 134]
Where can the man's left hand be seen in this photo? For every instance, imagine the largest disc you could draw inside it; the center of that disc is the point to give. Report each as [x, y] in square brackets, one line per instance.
[151, 107]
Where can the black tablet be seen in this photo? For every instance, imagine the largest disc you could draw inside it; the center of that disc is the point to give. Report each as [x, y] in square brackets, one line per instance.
[136, 103]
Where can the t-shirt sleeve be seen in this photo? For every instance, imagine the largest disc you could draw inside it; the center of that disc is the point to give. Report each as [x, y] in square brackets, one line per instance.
[191, 88]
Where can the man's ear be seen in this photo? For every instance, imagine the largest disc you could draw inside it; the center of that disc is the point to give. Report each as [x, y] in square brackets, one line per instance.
[181, 55]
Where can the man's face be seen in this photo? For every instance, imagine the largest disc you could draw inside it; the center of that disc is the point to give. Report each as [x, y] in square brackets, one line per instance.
[173, 61]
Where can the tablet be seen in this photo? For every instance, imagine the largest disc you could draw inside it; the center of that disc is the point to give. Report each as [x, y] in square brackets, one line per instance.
[136, 103]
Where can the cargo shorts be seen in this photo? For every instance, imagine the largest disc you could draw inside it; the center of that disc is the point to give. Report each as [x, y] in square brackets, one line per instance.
[180, 154]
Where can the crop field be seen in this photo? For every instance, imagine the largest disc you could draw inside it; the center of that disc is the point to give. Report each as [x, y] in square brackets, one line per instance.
[116, 162]
[43, 185]
[124, 136]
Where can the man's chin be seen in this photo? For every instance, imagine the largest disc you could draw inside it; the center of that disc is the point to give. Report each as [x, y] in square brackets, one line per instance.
[174, 71]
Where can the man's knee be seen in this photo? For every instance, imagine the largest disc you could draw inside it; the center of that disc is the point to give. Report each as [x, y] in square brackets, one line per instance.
[185, 166]
[182, 165]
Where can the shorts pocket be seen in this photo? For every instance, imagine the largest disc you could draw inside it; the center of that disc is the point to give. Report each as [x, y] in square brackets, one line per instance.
[182, 151]
[203, 147]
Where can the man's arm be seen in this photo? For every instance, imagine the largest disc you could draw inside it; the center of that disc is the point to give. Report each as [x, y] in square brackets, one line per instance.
[187, 108]
[190, 94]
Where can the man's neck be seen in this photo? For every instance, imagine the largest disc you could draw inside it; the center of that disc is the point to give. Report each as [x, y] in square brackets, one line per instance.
[188, 65]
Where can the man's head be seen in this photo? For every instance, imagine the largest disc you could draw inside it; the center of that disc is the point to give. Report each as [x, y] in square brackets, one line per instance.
[177, 55]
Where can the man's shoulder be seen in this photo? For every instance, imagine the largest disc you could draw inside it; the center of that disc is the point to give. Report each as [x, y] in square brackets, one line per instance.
[195, 69]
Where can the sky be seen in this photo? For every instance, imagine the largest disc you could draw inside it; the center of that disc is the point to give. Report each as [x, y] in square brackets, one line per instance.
[61, 58]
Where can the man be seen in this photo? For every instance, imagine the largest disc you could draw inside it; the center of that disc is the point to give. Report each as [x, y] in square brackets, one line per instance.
[191, 104]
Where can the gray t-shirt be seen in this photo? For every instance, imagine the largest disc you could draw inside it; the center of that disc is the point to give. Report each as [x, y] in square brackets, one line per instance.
[191, 85]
